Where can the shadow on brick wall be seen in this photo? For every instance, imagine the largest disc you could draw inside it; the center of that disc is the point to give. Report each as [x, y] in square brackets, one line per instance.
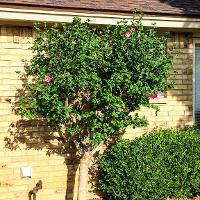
[38, 135]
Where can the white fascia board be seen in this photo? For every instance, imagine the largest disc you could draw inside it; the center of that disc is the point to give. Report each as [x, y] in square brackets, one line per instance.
[20, 15]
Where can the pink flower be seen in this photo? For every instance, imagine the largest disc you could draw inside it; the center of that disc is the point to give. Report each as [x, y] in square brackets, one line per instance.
[47, 79]
[98, 112]
[152, 97]
[159, 95]
[127, 34]
[132, 30]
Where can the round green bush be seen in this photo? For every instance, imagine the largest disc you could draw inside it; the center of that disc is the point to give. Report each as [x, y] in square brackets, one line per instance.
[155, 166]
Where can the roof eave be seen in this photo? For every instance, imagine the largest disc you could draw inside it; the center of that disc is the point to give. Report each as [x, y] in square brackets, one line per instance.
[52, 16]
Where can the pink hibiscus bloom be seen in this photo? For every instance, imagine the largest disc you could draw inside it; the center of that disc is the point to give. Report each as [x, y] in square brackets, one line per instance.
[152, 97]
[47, 79]
[98, 112]
[132, 30]
[127, 34]
[159, 95]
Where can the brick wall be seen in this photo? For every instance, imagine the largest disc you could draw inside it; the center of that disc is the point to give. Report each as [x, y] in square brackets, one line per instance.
[15, 52]
[27, 146]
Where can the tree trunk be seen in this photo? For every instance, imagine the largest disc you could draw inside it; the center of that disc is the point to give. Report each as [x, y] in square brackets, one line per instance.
[83, 170]
[83, 177]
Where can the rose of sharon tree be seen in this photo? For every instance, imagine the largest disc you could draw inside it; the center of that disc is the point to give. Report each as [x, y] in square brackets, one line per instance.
[87, 81]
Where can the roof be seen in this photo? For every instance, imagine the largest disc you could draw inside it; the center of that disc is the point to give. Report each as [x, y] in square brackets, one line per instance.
[172, 7]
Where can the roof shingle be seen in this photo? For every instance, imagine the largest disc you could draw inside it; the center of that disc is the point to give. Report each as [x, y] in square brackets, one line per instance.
[180, 7]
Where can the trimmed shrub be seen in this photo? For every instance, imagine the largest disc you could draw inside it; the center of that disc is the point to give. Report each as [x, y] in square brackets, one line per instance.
[154, 166]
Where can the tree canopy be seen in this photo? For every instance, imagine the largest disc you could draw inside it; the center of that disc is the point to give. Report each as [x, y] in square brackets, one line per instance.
[86, 81]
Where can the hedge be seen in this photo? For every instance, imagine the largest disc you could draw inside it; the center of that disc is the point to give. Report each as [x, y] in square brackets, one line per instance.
[161, 164]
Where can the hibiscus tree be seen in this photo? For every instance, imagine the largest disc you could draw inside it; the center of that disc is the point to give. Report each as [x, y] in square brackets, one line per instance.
[89, 80]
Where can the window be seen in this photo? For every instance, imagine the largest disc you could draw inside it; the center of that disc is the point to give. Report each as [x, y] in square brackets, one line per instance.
[197, 85]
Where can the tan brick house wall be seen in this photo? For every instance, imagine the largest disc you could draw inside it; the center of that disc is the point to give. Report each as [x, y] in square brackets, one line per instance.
[60, 181]
[15, 52]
